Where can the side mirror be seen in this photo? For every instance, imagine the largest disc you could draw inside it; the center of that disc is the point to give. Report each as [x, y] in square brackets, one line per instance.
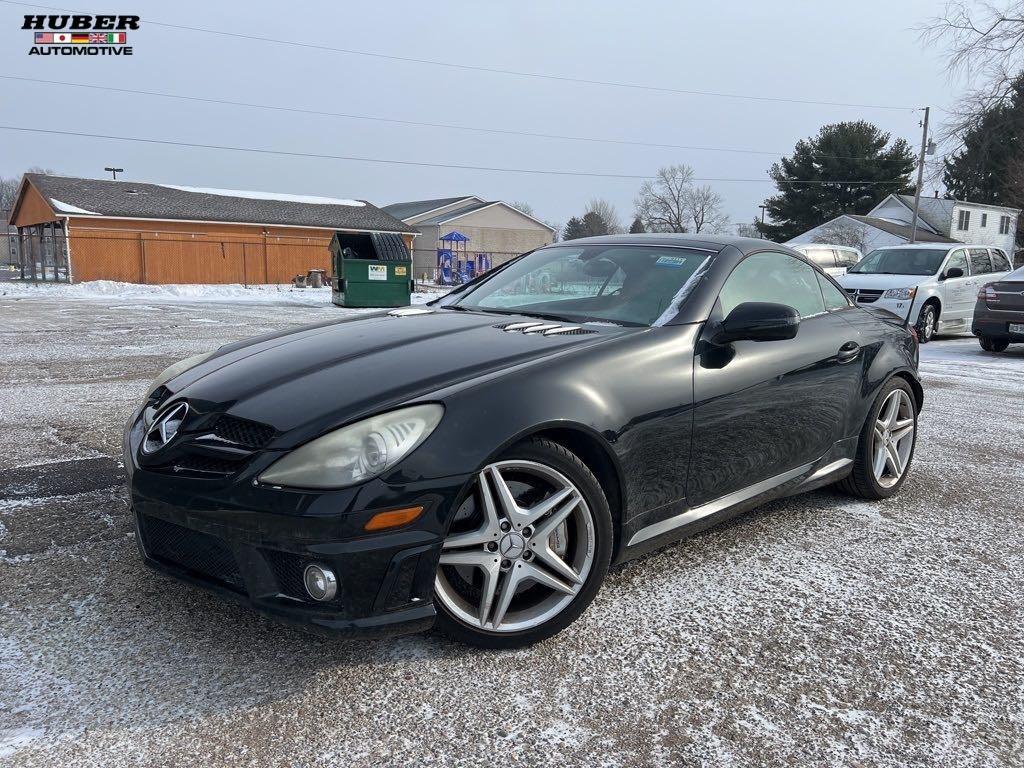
[759, 321]
[953, 272]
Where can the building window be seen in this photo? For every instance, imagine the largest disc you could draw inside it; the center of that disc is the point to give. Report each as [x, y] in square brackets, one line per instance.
[1004, 225]
[984, 219]
[963, 221]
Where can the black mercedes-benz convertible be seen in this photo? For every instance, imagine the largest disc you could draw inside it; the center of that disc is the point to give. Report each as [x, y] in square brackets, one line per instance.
[479, 462]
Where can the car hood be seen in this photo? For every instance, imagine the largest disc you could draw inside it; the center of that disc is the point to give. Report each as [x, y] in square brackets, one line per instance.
[881, 282]
[332, 373]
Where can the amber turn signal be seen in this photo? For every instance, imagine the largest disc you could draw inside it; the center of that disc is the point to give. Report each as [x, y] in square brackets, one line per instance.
[392, 518]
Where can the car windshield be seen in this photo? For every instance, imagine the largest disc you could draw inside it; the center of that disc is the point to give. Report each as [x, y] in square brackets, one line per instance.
[901, 261]
[622, 284]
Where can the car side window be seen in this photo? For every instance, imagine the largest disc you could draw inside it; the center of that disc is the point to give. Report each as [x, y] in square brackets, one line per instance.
[999, 261]
[846, 258]
[958, 259]
[834, 297]
[773, 277]
[980, 264]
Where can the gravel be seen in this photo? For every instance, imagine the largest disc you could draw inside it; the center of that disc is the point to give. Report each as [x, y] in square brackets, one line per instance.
[814, 631]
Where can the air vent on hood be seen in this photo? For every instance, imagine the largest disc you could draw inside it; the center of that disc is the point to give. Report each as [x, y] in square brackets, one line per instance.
[544, 329]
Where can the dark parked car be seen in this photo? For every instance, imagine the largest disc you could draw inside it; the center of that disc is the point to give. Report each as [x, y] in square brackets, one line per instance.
[999, 312]
[480, 462]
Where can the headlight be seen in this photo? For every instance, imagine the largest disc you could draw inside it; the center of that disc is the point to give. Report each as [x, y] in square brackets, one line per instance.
[357, 452]
[900, 293]
[173, 370]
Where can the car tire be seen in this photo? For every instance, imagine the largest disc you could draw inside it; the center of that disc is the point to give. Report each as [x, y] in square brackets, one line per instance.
[926, 323]
[552, 455]
[863, 480]
[990, 344]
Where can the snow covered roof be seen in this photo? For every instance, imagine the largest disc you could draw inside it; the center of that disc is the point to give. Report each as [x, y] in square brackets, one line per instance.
[413, 208]
[133, 200]
[900, 230]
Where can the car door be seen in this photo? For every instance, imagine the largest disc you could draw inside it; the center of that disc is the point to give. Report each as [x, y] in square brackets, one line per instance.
[981, 271]
[764, 409]
[957, 293]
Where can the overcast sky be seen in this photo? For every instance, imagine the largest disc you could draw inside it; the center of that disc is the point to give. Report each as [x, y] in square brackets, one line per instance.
[862, 52]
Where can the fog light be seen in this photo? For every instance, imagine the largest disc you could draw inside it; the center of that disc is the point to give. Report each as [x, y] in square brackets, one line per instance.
[320, 582]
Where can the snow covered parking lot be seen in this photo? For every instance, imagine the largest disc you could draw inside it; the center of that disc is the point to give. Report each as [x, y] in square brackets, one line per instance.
[814, 631]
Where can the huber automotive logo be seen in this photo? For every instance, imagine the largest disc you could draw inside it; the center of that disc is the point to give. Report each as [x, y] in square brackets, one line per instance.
[79, 35]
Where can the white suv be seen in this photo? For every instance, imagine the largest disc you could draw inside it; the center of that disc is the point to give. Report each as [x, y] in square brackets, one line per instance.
[930, 285]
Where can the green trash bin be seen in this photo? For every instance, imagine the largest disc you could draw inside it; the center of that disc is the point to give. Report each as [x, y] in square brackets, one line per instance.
[373, 270]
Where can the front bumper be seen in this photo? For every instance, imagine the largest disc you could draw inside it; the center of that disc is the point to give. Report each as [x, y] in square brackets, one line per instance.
[252, 543]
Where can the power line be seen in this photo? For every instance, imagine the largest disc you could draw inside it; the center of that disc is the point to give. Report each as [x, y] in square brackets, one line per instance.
[386, 161]
[494, 70]
[421, 124]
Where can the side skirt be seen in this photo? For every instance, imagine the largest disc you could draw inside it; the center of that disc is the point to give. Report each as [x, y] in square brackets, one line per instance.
[822, 476]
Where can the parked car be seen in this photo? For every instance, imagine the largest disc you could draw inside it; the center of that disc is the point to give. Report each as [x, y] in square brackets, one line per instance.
[835, 260]
[480, 462]
[999, 312]
[931, 285]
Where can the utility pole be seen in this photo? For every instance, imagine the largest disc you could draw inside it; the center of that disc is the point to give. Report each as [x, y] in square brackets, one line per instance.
[762, 207]
[920, 176]
[114, 171]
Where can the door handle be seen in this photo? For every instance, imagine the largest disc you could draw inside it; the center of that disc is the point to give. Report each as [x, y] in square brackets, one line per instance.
[848, 352]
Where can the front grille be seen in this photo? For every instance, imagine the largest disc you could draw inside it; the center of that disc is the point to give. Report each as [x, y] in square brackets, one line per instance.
[251, 434]
[198, 464]
[864, 295]
[201, 553]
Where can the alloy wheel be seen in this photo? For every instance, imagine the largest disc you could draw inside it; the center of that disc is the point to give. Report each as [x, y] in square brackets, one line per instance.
[520, 549]
[893, 438]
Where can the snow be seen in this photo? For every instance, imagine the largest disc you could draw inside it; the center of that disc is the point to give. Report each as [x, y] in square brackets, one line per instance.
[68, 208]
[282, 196]
[181, 293]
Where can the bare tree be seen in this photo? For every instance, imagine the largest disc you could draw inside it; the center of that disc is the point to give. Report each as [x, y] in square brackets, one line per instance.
[743, 229]
[523, 206]
[661, 202]
[606, 211]
[985, 44]
[703, 208]
[8, 191]
[843, 232]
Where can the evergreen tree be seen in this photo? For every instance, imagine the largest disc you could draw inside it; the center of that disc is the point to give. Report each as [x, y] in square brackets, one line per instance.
[860, 161]
[637, 227]
[596, 224]
[574, 228]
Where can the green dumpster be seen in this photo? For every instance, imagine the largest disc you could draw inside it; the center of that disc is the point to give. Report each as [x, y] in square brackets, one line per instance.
[371, 270]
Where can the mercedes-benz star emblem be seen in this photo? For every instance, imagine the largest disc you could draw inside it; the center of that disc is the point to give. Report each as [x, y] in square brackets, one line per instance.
[164, 428]
[512, 546]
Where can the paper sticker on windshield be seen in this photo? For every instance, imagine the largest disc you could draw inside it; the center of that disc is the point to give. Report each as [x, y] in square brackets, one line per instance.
[670, 261]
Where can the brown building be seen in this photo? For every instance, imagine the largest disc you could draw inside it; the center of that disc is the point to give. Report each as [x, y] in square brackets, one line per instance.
[92, 229]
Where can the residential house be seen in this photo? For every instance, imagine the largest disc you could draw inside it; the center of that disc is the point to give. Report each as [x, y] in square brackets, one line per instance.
[939, 220]
[492, 227]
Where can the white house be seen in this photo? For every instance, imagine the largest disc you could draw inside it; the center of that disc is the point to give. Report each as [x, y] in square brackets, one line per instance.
[939, 220]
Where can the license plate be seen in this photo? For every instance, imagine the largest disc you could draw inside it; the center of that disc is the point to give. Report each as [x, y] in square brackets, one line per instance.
[1017, 328]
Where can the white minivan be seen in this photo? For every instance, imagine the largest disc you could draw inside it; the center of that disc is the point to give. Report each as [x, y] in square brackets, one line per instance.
[931, 285]
[835, 260]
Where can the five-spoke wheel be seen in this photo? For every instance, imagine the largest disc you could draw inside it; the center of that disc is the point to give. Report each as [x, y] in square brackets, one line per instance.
[893, 438]
[524, 545]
